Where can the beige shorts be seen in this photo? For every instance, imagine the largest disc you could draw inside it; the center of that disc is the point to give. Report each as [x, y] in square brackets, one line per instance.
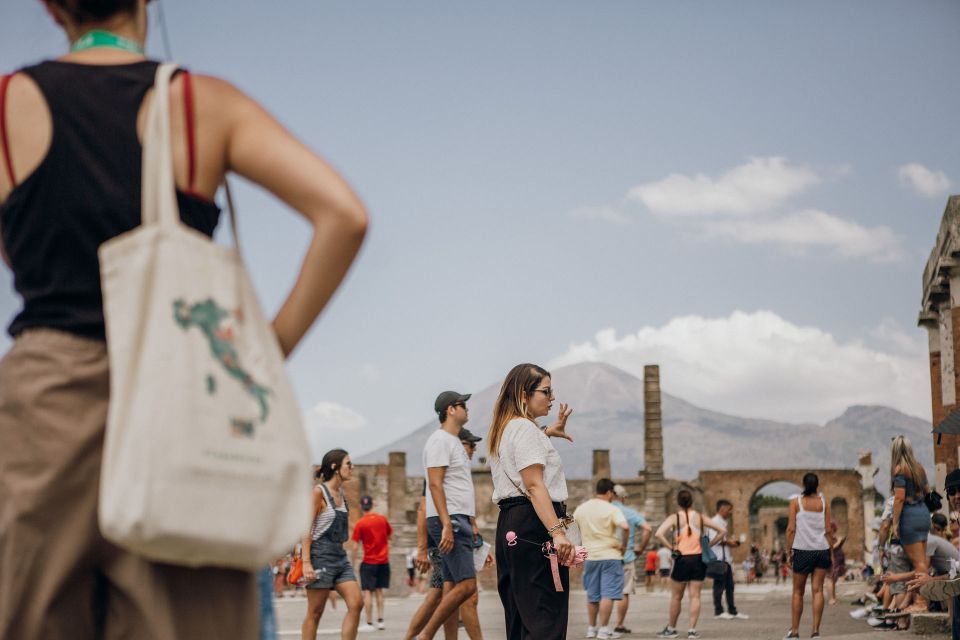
[58, 577]
[629, 578]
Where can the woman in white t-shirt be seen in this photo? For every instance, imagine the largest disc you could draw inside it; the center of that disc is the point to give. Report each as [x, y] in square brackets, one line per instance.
[530, 488]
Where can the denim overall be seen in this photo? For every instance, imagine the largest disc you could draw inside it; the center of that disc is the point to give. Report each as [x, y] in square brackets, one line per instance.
[327, 555]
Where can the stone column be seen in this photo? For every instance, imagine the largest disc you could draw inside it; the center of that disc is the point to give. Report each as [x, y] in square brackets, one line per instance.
[932, 324]
[397, 486]
[601, 467]
[867, 471]
[656, 488]
[946, 452]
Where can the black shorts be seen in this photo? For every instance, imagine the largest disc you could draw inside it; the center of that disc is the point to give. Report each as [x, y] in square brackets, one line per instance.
[664, 573]
[374, 576]
[689, 568]
[650, 572]
[804, 562]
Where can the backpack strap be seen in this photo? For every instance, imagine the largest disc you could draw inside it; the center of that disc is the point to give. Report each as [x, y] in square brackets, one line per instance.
[4, 141]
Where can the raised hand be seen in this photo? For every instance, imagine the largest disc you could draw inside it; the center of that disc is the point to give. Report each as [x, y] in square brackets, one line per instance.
[558, 428]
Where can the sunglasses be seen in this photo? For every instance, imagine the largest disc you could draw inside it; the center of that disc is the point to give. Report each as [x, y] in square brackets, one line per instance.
[547, 392]
[468, 444]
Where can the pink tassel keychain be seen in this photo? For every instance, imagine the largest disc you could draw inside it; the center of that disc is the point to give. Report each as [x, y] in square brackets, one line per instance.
[579, 556]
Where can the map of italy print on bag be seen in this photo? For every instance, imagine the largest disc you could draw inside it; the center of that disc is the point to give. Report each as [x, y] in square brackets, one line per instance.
[214, 323]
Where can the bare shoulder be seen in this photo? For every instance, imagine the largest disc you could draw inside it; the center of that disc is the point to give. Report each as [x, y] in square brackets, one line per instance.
[213, 94]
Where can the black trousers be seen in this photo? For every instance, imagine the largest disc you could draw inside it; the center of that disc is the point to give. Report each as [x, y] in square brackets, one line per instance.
[532, 607]
[955, 619]
[721, 586]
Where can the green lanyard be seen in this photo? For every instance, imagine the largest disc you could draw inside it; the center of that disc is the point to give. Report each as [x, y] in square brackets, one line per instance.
[100, 38]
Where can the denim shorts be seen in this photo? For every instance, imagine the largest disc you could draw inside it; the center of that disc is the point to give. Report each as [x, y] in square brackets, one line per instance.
[603, 580]
[436, 573]
[457, 565]
[331, 564]
[914, 523]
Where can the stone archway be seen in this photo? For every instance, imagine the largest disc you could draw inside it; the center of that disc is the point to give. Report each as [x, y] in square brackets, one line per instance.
[739, 485]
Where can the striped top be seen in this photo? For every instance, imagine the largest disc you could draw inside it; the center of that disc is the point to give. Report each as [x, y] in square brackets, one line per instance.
[328, 514]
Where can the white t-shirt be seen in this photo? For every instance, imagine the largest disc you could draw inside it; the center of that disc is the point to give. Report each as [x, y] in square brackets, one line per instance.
[721, 550]
[523, 444]
[664, 555]
[445, 450]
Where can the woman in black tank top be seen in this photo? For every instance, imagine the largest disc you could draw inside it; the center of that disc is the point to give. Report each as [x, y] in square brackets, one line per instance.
[70, 180]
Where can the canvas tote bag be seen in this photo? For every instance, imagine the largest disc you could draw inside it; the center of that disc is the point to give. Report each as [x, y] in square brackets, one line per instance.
[205, 460]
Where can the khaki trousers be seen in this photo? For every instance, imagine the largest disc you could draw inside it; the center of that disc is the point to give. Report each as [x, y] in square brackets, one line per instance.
[58, 577]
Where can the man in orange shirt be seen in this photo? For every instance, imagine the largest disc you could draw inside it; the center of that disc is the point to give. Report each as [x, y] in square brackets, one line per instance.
[374, 531]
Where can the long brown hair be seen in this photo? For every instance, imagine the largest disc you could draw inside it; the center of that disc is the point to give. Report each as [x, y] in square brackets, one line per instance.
[901, 456]
[512, 401]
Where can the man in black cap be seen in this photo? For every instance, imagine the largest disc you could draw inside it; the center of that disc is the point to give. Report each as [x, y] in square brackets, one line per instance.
[450, 505]
[468, 610]
[946, 586]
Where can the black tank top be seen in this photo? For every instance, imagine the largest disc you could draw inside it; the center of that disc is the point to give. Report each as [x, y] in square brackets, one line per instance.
[85, 192]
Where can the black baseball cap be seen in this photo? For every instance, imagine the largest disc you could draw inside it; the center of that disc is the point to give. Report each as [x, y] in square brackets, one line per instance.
[448, 398]
[467, 436]
[953, 479]
[366, 503]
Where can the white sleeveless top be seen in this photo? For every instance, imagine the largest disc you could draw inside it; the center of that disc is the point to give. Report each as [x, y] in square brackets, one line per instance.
[811, 530]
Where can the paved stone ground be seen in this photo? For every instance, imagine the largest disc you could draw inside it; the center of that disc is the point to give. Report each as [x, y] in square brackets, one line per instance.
[767, 605]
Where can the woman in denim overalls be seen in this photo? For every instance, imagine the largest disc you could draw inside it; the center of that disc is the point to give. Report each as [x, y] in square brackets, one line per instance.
[325, 563]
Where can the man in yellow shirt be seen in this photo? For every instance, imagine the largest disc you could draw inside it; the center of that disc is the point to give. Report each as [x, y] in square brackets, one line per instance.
[605, 534]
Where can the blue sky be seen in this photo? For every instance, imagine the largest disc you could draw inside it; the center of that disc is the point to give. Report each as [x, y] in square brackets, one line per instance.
[744, 192]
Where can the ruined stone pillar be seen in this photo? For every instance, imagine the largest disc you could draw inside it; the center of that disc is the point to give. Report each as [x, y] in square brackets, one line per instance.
[397, 486]
[867, 471]
[601, 467]
[932, 324]
[656, 488]
[940, 315]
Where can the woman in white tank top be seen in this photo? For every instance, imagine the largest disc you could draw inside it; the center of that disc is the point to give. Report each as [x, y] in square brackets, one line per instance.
[809, 540]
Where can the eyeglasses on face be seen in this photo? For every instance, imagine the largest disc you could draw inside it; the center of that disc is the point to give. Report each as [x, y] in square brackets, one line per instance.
[547, 391]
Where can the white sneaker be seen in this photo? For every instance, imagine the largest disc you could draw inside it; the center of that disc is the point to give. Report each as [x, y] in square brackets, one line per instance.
[380, 625]
[591, 632]
[724, 616]
[605, 633]
[366, 628]
[742, 616]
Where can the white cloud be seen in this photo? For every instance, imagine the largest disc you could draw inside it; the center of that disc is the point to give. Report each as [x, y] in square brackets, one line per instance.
[761, 365]
[331, 425]
[607, 214]
[759, 185]
[803, 230]
[923, 181]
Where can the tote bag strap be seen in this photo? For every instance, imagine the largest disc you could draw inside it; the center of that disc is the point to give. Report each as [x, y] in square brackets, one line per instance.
[159, 196]
[158, 199]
